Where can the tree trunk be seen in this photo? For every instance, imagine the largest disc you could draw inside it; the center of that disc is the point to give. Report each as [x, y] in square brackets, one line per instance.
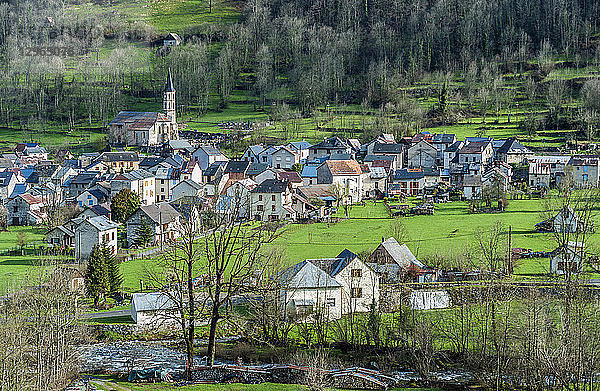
[212, 336]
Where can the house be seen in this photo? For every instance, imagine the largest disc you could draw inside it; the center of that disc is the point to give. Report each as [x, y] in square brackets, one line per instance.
[307, 290]
[215, 179]
[172, 40]
[323, 193]
[186, 188]
[441, 141]
[255, 169]
[178, 147]
[236, 169]
[566, 221]
[92, 231]
[165, 180]
[512, 152]
[252, 153]
[301, 148]
[450, 153]
[374, 181]
[346, 174]
[91, 197]
[396, 151]
[269, 173]
[80, 183]
[385, 138]
[61, 237]
[547, 171]
[163, 219]
[284, 158]
[119, 161]
[153, 309]
[191, 171]
[567, 258]
[476, 153]
[585, 170]
[290, 176]
[309, 175]
[235, 199]
[406, 182]
[32, 150]
[422, 154]
[272, 200]
[139, 181]
[26, 209]
[330, 287]
[472, 187]
[145, 129]
[327, 147]
[395, 262]
[206, 155]
[8, 181]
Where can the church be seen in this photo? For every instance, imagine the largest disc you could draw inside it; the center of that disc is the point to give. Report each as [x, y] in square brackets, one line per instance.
[143, 129]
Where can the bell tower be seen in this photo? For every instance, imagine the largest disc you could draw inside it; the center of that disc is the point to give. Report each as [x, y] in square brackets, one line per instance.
[169, 99]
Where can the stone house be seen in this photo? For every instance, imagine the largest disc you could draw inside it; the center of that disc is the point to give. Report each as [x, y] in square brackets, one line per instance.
[422, 154]
[186, 188]
[567, 258]
[547, 171]
[396, 151]
[163, 219]
[91, 197]
[585, 170]
[118, 162]
[236, 198]
[512, 152]
[79, 183]
[441, 141]
[272, 200]
[252, 153]
[26, 209]
[92, 231]
[395, 262]
[61, 236]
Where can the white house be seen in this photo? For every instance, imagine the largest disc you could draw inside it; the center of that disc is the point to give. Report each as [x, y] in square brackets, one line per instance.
[344, 173]
[567, 258]
[139, 181]
[153, 308]
[272, 200]
[236, 198]
[336, 286]
[206, 155]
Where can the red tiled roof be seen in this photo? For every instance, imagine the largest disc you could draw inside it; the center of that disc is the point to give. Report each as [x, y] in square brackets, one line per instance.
[343, 167]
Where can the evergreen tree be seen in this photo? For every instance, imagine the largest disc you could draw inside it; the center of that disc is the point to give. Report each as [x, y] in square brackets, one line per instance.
[144, 234]
[96, 278]
[113, 273]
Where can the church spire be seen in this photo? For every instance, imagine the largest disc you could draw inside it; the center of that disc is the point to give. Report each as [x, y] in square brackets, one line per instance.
[169, 85]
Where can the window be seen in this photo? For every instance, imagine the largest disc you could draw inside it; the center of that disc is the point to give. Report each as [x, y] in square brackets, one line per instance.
[331, 301]
[356, 293]
[585, 177]
[585, 168]
[113, 236]
[356, 273]
[259, 208]
[273, 207]
[260, 197]
[273, 197]
[162, 181]
[90, 202]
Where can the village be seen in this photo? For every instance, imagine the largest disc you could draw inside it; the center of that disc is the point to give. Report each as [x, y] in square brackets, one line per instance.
[152, 189]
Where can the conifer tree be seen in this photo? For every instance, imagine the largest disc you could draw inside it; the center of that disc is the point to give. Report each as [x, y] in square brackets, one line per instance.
[144, 234]
[96, 278]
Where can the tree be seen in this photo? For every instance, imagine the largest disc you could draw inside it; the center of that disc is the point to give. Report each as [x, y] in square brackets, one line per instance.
[113, 272]
[3, 218]
[491, 245]
[21, 241]
[97, 281]
[143, 234]
[234, 254]
[124, 204]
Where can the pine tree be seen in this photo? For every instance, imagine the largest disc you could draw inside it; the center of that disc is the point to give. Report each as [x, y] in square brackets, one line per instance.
[113, 273]
[96, 278]
[144, 234]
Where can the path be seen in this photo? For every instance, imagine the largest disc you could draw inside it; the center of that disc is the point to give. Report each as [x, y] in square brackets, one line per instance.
[108, 385]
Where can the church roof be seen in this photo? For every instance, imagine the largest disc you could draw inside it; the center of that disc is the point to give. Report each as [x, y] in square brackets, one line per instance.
[137, 120]
[169, 85]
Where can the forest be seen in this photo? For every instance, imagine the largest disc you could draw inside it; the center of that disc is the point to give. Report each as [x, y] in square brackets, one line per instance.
[403, 65]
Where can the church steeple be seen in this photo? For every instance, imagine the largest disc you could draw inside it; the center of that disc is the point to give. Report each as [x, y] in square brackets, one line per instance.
[169, 98]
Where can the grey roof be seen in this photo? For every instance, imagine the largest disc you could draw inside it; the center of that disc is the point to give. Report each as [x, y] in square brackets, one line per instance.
[300, 145]
[152, 301]
[101, 223]
[372, 158]
[444, 138]
[340, 156]
[236, 166]
[387, 148]
[307, 275]
[151, 161]
[454, 147]
[512, 145]
[271, 186]
[256, 168]
[404, 173]
[84, 178]
[401, 254]
[118, 157]
[332, 266]
[330, 143]
[162, 213]
[213, 169]
[181, 144]
[191, 183]
[256, 149]
[209, 150]
[134, 175]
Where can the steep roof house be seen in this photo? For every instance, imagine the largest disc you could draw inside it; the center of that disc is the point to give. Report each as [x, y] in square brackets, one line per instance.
[422, 154]
[395, 262]
[272, 200]
[26, 209]
[206, 155]
[162, 218]
[328, 147]
[406, 182]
